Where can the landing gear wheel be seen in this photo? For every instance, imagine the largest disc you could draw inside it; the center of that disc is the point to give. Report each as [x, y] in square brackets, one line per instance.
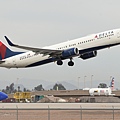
[70, 63]
[59, 62]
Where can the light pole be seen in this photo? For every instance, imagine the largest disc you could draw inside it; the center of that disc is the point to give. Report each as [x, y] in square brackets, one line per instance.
[84, 80]
[17, 84]
[78, 83]
[18, 91]
[91, 80]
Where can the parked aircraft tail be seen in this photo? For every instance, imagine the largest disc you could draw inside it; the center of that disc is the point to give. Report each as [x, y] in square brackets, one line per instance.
[112, 84]
[3, 96]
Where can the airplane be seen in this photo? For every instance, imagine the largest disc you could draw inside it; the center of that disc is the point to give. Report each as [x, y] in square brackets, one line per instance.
[3, 96]
[84, 48]
[103, 91]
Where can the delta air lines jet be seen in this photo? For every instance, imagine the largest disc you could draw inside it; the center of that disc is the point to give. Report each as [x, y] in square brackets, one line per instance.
[84, 48]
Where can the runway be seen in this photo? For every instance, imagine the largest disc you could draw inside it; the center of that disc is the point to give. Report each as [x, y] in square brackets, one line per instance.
[60, 105]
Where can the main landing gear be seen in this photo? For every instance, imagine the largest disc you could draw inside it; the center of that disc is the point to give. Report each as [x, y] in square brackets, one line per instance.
[59, 62]
[70, 63]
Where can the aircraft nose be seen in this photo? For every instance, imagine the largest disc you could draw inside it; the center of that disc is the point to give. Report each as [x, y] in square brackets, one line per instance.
[3, 96]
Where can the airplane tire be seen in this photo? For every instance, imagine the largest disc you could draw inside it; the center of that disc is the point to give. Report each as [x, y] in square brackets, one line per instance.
[59, 62]
[70, 63]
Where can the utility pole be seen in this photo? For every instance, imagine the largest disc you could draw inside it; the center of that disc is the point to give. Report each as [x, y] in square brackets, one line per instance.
[78, 83]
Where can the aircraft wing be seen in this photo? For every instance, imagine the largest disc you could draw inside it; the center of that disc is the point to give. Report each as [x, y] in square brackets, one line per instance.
[39, 50]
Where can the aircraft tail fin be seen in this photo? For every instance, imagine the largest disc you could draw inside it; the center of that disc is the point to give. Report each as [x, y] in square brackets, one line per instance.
[112, 84]
[5, 52]
[3, 96]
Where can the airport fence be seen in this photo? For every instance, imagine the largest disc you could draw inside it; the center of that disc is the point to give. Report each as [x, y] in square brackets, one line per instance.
[60, 114]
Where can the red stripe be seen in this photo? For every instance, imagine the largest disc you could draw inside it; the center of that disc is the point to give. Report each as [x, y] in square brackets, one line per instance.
[2, 50]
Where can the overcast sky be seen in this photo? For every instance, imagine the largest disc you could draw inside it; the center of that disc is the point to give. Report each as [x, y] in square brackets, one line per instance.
[41, 23]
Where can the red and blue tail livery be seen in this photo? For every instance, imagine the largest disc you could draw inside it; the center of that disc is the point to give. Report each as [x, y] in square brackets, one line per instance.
[84, 48]
[6, 52]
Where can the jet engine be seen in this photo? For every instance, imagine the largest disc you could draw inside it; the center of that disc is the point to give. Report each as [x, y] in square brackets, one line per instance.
[70, 52]
[88, 55]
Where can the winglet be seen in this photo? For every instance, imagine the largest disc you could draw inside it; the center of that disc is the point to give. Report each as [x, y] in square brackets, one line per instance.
[9, 42]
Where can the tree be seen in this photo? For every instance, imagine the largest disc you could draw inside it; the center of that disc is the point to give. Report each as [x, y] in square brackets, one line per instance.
[11, 88]
[19, 89]
[58, 87]
[24, 90]
[14, 91]
[39, 88]
[102, 85]
[7, 89]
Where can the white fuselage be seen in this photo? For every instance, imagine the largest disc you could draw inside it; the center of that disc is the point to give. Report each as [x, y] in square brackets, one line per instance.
[110, 37]
[100, 91]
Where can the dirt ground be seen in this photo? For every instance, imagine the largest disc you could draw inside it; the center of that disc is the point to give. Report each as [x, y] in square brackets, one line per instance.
[59, 115]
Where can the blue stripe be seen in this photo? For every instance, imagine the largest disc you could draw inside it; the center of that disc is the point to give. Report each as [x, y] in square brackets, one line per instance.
[41, 62]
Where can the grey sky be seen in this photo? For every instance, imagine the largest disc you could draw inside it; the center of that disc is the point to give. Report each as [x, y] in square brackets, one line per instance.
[41, 23]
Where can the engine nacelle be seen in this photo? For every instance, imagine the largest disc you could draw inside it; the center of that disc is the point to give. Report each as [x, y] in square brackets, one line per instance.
[70, 52]
[88, 55]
